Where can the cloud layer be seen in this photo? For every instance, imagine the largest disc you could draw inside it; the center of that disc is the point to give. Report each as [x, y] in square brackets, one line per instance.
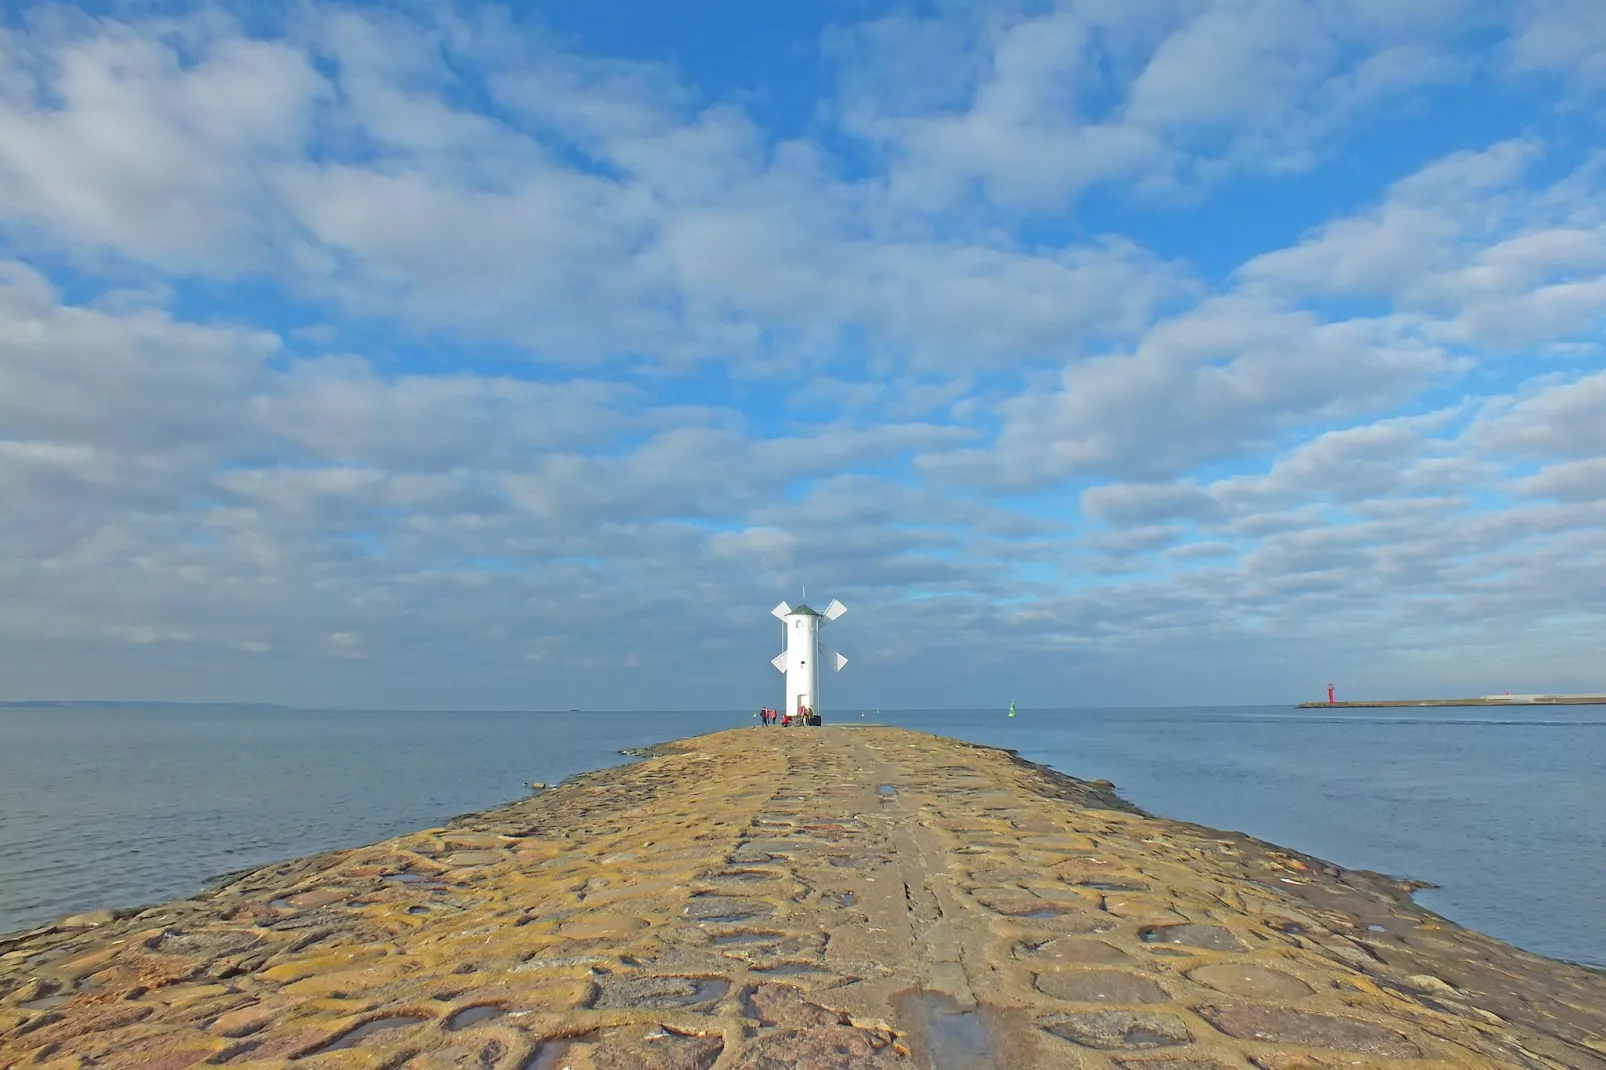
[434, 360]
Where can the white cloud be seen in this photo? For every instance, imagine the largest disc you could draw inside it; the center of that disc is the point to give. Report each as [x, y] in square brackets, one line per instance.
[338, 409]
[1466, 245]
[140, 381]
[1067, 459]
[1034, 108]
[111, 142]
[1212, 384]
[1576, 481]
[1563, 36]
[1136, 503]
[605, 215]
[1196, 551]
[1563, 419]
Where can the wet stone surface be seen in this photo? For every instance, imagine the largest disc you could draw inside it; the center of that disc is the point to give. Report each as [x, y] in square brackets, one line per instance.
[1101, 986]
[1118, 1029]
[798, 1033]
[631, 1048]
[1074, 952]
[1257, 982]
[949, 1036]
[369, 1029]
[1281, 1025]
[753, 900]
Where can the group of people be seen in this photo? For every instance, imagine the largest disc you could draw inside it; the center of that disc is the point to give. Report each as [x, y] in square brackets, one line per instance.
[786, 720]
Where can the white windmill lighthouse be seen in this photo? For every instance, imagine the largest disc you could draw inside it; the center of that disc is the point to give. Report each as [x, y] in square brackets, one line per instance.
[801, 659]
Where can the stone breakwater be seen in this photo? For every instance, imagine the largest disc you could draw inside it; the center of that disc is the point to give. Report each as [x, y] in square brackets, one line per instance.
[837, 897]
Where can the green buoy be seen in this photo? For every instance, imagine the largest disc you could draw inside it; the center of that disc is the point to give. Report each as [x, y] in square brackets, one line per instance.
[1012, 707]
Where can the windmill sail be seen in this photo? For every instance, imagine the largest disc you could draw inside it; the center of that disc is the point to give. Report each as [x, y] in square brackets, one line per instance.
[802, 656]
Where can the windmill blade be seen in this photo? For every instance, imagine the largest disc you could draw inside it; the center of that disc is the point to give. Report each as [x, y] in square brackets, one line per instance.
[833, 659]
[834, 610]
[781, 610]
[779, 661]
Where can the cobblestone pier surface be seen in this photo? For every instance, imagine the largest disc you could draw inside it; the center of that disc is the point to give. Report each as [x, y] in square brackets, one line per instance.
[768, 898]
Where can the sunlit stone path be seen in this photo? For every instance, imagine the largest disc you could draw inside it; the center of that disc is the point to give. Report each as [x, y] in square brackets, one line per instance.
[769, 898]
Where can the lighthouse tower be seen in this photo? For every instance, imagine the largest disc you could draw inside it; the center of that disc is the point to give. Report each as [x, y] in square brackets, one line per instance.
[801, 659]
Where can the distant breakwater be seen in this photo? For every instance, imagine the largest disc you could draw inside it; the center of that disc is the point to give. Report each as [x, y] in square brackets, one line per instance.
[1488, 700]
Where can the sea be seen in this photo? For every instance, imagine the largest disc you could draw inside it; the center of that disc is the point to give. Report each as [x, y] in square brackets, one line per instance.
[1503, 809]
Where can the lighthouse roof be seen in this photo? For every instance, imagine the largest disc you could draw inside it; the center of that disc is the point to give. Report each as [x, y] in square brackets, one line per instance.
[803, 611]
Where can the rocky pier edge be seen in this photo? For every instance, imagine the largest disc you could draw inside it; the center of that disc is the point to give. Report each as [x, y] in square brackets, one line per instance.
[834, 897]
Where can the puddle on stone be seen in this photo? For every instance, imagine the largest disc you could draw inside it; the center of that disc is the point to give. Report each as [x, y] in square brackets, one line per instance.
[659, 993]
[1045, 912]
[356, 1036]
[724, 910]
[956, 1039]
[408, 878]
[1110, 886]
[468, 1016]
[886, 789]
[1376, 929]
[1208, 937]
[846, 899]
[547, 1056]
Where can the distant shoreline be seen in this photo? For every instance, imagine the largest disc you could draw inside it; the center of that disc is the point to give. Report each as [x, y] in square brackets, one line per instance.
[1501, 700]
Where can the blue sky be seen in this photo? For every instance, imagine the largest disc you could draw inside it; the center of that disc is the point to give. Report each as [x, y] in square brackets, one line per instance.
[1092, 353]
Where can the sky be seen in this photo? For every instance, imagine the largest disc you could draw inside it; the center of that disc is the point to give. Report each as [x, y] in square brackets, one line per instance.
[1094, 352]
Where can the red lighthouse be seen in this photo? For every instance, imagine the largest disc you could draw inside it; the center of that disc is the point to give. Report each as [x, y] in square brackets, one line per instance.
[1330, 699]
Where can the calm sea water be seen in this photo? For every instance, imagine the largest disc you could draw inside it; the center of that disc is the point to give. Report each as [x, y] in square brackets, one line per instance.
[1505, 809]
